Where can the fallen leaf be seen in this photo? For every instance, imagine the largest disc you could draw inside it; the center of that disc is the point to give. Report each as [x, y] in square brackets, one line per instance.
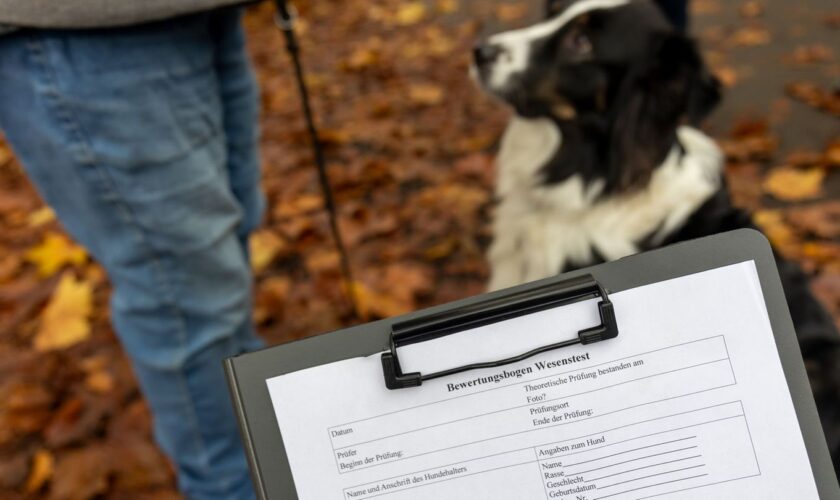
[9, 266]
[361, 58]
[5, 153]
[303, 204]
[376, 304]
[447, 6]
[66, 319]
[810, 54]
[744, 181]
[100, 381]
[40, 472]
[780, 234]
[321, 261]
[411, 13]
[82, 474]
[55, 252]
[751, 9]
[832, 153]
[789, 184]
[750, 36]
[815, 96]
[425, 94]
[40, 217]
[75, 421]
[821, 219]
[510, 12]
[140, 466]
[705, 7]
[727, 75]
[803, 158]
[265, 246]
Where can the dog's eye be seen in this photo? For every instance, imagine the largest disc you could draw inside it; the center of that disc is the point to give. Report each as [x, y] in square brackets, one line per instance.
[578, 43]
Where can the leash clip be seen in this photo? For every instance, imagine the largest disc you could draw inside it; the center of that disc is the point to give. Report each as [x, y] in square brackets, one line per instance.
[286, 16]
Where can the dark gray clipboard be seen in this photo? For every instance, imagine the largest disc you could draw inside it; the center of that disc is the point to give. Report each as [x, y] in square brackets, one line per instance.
[247, 373]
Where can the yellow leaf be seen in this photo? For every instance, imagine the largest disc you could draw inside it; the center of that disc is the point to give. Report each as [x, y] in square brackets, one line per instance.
[66, 319]
[41, 471]
[100, 381]
[780, 234]
[791, 184]
[55, 252]
[411, 13]
[447, 6]
[40, 217]
[425, 94]
[375, 304]
[265, 246]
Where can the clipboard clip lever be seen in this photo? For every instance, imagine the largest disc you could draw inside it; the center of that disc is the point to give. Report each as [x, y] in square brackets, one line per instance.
[492, 310]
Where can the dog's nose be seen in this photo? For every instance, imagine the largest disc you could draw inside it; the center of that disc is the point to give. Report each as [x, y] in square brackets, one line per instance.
[486, 53]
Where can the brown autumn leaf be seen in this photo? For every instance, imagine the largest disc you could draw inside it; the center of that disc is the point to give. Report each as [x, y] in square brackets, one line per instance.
[511, 12]
[361, 58]
[821, 219]
[744, 181]
[790, 184]
[810, 54]
[727, 75]
[425, 94]
[803, 158]
[815, 96]
[41, 471]
[411, 13]
[66, 319]
[750, 140]
[447, 6]
[303, 204]
[14, 470]
[377, 304]
[9, 265]
[751, 9]
[82, 474]
[832, 153]
[40, 217]
[141, 466]
[75, 421]
[265, 247]
[750, 36]
[780, 234]
[705, 7]
[55, 252]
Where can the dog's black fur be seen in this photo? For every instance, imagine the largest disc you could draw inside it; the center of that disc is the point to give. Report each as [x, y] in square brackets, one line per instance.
[617, 83]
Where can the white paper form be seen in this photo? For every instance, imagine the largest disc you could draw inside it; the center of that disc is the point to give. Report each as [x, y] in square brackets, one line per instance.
[688, 402]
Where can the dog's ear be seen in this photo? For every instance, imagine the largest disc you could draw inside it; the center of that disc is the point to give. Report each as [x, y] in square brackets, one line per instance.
[670, 86]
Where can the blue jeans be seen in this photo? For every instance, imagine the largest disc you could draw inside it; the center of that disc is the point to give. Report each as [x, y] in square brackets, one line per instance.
[144, 141]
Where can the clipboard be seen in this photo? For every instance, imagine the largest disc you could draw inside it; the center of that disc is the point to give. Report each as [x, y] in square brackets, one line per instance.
[247, 374]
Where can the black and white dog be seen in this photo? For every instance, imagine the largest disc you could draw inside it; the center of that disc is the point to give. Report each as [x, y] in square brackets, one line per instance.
[603, 158]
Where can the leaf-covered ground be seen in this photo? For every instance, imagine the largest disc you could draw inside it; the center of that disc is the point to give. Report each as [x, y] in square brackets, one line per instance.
[410, 143]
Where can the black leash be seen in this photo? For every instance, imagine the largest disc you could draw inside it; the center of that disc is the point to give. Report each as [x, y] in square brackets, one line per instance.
[286, 18]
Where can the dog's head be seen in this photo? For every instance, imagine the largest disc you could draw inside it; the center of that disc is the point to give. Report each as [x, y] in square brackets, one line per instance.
[615, 67]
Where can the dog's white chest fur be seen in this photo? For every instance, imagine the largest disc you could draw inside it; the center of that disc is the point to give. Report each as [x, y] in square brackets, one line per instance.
[540, 229]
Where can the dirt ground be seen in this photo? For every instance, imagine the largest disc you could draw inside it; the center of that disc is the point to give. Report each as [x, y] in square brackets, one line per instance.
[410, 143]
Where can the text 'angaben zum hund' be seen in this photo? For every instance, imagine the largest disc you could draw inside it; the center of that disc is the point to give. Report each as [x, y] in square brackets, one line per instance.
[603, 159]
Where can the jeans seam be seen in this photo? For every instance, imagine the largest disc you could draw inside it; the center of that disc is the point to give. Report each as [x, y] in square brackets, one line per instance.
[63, 111]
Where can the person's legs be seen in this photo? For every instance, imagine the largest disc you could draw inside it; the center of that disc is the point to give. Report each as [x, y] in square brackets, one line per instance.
[124, 134]
[240, 104]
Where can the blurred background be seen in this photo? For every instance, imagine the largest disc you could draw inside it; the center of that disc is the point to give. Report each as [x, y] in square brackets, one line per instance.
[410, 143]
